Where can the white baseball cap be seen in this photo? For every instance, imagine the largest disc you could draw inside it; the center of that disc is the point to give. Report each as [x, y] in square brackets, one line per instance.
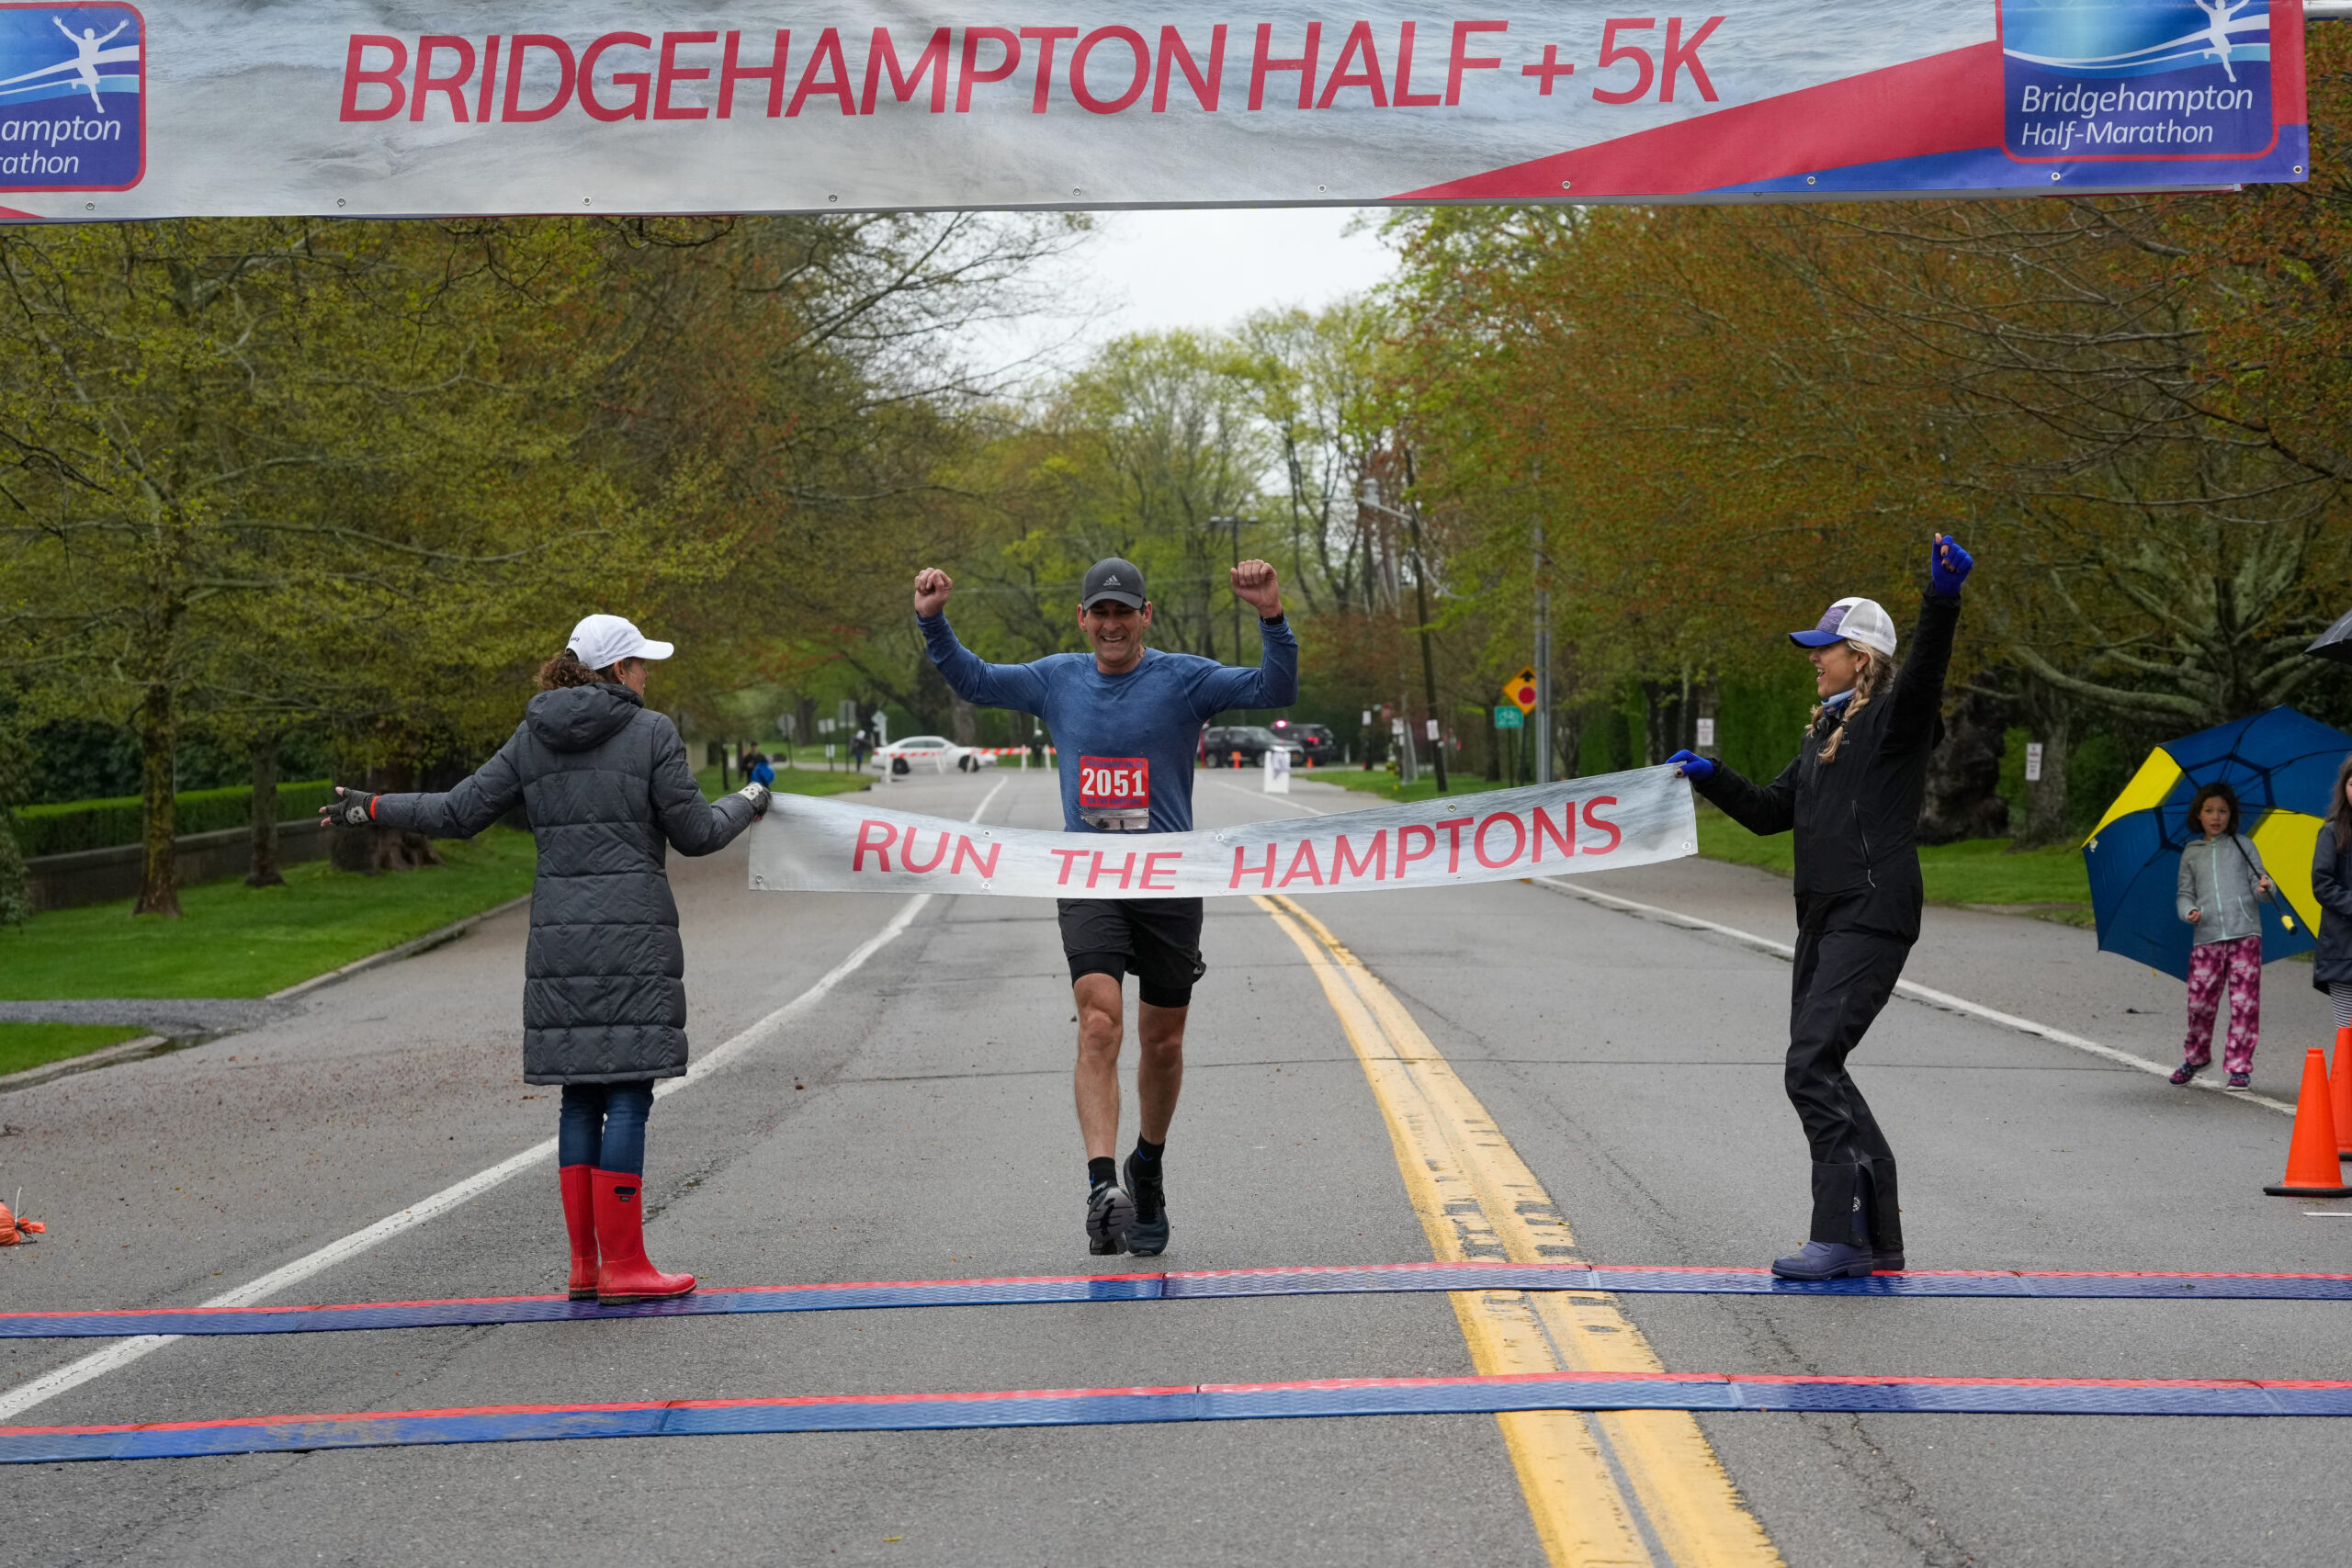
[602, 640]
[1853, 620]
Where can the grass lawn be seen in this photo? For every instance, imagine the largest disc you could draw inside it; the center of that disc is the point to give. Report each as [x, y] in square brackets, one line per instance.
[234, 941]
[1382, 782]
[792, 781]
[1975, 871]
[26, 1045]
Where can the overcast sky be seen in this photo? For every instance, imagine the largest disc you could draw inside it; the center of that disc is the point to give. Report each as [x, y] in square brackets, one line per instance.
[1203, 268]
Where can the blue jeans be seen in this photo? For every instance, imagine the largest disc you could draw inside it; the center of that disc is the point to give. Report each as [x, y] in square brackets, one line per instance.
[602, 1124]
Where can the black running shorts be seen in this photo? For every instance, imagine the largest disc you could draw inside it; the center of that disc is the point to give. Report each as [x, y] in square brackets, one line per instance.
[1156, 940]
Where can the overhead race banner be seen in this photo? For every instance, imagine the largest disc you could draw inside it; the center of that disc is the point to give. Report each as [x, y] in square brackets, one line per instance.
[404, 107]
[1606, 823]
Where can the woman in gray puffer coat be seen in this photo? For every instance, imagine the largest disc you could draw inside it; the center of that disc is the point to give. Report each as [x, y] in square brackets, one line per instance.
[606, 783]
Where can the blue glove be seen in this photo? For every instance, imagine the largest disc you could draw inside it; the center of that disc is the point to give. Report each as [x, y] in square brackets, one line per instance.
[1691, 765]
[1947, 565]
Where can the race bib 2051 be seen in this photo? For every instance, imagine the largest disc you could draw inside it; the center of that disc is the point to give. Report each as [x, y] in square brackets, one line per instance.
[1115, 793]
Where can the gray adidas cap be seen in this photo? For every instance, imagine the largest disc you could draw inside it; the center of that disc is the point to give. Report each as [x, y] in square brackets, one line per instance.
[1118, 580]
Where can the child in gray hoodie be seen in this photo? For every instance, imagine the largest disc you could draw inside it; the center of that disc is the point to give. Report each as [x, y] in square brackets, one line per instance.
[2221, 879]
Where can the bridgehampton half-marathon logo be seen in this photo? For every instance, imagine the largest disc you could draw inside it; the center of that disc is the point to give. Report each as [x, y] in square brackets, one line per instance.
[72, 113]
[2086, 80]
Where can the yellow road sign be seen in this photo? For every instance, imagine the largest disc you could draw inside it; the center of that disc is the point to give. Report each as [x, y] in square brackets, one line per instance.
[1520, 690]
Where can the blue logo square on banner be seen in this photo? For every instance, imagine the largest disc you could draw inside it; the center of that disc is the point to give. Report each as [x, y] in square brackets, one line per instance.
[73, 114]
[2091, 80]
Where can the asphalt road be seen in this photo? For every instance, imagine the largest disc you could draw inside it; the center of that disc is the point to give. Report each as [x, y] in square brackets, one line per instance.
[915, 1123]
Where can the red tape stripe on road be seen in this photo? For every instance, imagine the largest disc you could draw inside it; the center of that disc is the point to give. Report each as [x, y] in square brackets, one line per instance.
[1037, 1290]
[1207, 1402]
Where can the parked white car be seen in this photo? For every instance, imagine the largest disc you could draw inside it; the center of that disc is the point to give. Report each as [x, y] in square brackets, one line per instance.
[932, 754]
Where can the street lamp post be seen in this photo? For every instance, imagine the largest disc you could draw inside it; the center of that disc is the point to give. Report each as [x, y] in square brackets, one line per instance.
[1234, 524]
[1412, 521]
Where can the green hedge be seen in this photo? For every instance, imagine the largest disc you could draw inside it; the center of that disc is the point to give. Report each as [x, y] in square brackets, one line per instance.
[102, 823]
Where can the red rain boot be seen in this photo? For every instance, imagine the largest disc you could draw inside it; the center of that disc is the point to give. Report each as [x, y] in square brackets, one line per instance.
[627, 1274]
[580, 1220]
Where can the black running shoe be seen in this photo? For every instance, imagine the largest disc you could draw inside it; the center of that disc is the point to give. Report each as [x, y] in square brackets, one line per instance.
[1110, 1214]
[1148, 1235]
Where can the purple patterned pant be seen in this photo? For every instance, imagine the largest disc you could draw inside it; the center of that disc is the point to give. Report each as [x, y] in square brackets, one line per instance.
[2239, 964]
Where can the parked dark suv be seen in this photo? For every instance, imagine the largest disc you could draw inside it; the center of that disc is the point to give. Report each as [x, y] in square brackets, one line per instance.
[1319, 746]
[1252, 742]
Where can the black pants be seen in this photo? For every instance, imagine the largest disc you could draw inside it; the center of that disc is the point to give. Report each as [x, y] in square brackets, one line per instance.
[1843, 977]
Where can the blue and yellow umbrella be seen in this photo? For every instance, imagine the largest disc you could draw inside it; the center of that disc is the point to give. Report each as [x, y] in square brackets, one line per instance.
[2283, 764]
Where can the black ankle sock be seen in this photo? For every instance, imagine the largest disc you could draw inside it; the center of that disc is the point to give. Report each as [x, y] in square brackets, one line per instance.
[1149, 1152]
[1099, 1171]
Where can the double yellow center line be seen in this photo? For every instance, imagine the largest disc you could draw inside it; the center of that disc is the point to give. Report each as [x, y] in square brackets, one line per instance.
[1618, 1487]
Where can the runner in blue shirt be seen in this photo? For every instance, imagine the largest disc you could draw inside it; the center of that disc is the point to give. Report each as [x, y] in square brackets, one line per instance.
[1126, 721]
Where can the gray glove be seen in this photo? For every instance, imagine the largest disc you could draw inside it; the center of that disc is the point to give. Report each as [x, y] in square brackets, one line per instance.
[757, 794]
[350, 809]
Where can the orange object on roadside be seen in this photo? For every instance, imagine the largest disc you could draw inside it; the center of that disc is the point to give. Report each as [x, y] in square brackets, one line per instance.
[2340, 1083]
[2312, 1169]
[13, 1230]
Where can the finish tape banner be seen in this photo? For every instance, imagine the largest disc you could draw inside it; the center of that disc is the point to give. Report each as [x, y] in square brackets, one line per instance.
[405, 107]
[1605, 823]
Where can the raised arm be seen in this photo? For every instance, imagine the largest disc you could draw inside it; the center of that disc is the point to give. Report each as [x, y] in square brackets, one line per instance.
[693, 826]
[1760, 809]
[1918, 698]
[474, 803]
[1017, 686]
[1274, 683]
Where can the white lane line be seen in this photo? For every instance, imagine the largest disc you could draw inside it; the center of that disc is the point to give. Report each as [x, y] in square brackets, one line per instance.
[1916, 991]
[15, 1402]
[1273, 799]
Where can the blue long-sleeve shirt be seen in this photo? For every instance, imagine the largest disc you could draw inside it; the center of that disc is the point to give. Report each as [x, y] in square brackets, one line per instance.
[1127, 743]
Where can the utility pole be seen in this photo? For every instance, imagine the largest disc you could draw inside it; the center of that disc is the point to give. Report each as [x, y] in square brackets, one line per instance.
[1542, 647]
[1412, 521]
[1238, 655]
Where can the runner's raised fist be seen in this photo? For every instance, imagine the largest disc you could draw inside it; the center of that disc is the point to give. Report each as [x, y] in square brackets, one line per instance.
[1254, 582]
[932, 588]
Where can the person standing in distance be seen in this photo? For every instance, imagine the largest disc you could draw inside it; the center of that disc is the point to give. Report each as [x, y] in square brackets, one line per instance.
[1125, 720]
[606, 783]
[1853, 796]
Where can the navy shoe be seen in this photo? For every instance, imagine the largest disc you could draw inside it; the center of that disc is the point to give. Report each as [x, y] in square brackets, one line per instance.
[1885, 1262]
[1109, 1214]
[2241, 1080]
[2187, 1071]
[1147, 1232]
[1827, 1260]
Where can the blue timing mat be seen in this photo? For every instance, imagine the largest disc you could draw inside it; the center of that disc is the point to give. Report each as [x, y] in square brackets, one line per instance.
[1238, 1402]
[1199, 1285]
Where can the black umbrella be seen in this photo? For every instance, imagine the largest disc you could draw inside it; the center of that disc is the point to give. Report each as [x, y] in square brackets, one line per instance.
[2336, 642]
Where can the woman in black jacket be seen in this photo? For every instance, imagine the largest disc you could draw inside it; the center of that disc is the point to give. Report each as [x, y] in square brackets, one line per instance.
[605, 782]
[1853, 796]
[2332, 885]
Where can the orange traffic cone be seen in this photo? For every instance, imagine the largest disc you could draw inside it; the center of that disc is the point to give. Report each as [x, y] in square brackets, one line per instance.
[2341, 1083]
[2312, 1169]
